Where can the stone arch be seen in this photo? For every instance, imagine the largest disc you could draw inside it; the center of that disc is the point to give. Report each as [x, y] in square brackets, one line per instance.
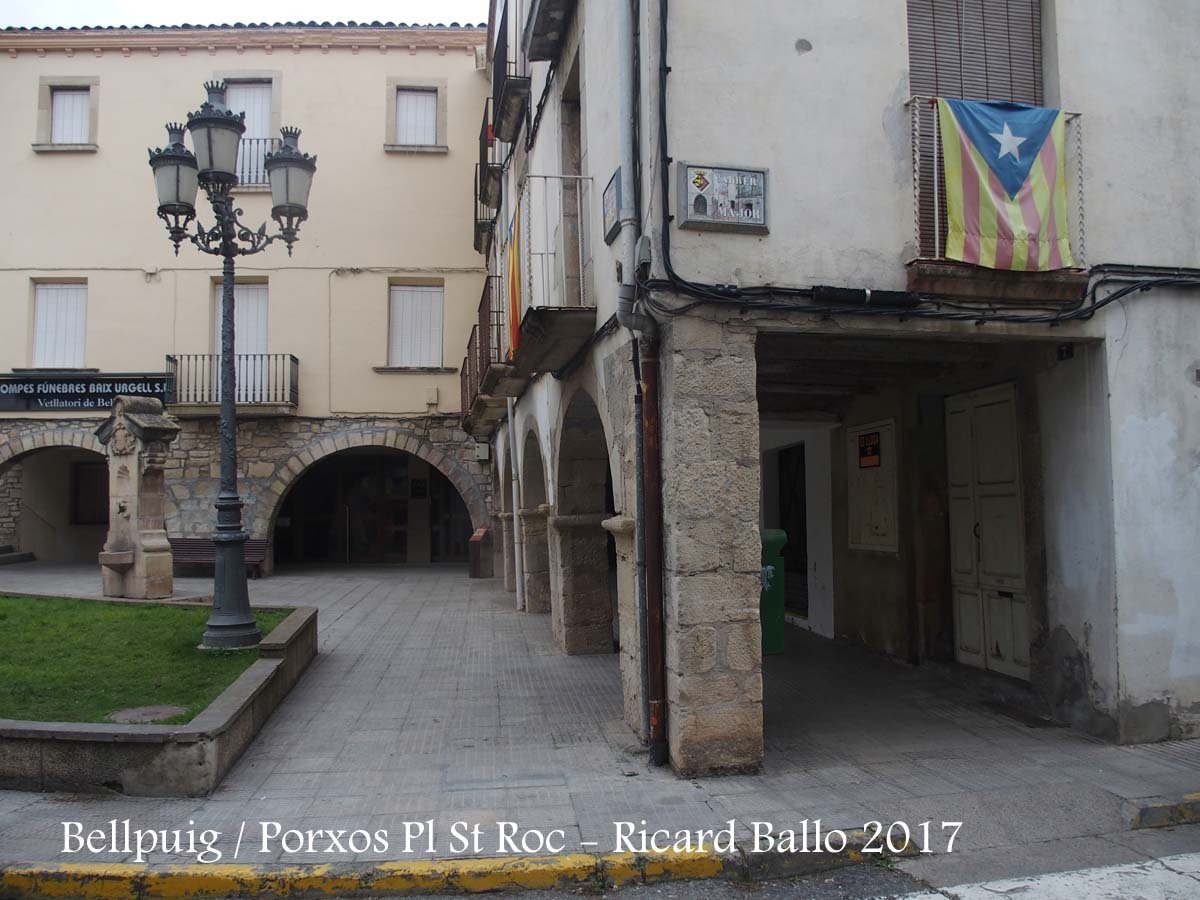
[584, 595]
[288, 471]
[50, 436]
[531, 518]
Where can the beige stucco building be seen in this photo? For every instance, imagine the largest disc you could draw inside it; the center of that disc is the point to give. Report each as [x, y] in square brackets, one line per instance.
[349, 350]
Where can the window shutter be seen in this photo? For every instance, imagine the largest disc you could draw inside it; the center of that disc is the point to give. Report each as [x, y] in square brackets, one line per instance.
[972, 50]
[249, 318]
[59, 326]
[415, 326]
[69, 113]
[416, 117]
[254, 99]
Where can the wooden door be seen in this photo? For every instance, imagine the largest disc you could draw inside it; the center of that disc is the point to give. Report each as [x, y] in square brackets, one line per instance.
[987, 531]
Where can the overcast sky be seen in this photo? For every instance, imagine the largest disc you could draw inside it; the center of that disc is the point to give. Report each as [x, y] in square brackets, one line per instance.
[52, 13]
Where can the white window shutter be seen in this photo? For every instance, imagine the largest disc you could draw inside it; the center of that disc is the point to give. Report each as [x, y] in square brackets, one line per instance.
[415, 326]
[249, 341]
[60, 326]
[254, 99]
[416, 117]
[69, 113]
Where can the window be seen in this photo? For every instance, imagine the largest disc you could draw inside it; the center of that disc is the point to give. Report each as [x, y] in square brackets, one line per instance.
[971, 50]
[89, 494]
[69, 115]
[68, 110]
[59, 325]
[976, 49]
[249, 340]
[416, 116]
[415, 326]
[254, 99]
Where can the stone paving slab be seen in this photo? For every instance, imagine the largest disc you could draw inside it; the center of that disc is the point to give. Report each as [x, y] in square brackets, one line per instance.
[432, 698]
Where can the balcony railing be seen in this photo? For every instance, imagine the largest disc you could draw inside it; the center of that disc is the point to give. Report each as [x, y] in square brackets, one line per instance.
[485, 219]
[555, 244]
[489, 160]
[252, 155]
[485, 347]
[263, 379]
[510, 86]
[929, 186]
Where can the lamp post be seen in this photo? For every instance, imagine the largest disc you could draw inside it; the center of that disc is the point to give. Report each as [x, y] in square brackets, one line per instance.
[178, 174]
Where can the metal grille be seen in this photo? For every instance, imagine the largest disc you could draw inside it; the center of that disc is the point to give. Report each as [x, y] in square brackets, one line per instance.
[252, 158]
[262, 378]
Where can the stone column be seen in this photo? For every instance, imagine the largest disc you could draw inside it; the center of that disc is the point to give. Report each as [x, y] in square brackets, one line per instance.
[499, 548]
[535, 558]
[581, 601]
[629, 623]
[136, 560]
[510, 564]
[712, 550]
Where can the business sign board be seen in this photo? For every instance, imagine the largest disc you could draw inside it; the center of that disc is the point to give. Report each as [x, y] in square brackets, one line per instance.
[722, 198]
[52, 392]
[612, 208]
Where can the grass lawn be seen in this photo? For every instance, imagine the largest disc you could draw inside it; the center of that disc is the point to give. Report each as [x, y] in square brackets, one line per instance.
[79, 660]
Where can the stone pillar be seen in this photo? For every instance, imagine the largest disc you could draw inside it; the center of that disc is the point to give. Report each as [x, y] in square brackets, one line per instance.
[629, 622]
[499, 548]
[136, 560]
[535, 558]
[581, 602]
[712, 550]
[510, 563]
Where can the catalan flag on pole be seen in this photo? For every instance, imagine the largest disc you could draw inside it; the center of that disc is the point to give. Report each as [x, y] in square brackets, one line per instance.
[1006, 187]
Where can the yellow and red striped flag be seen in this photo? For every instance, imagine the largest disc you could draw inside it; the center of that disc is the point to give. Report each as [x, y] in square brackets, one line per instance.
[1006, 187]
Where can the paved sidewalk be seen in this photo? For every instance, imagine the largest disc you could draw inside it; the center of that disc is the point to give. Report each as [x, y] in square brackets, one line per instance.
[433, 699]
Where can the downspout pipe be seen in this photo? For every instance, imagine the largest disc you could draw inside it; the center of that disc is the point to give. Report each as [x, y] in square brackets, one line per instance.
[518, 544]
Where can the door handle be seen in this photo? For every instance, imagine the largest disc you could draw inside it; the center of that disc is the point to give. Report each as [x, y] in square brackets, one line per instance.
[976, 531]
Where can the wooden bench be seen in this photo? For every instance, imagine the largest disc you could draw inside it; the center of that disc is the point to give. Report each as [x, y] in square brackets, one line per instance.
[203, 552]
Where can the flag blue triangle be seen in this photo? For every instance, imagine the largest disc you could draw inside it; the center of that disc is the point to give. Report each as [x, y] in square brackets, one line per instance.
[981, 121]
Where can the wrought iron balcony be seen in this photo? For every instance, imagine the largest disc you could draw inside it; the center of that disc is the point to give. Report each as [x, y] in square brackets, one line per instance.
[252, 155]
[485, 219]
[546, 27]
[490, 169]
[267, 381]
[487, 379]
[930, 271]
[510, 86]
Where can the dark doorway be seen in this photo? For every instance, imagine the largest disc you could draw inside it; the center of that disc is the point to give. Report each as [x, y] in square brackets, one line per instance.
[793, 518]
[372, 506]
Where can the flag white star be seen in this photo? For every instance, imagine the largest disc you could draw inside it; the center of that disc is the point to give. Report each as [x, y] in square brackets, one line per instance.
[1009, 143]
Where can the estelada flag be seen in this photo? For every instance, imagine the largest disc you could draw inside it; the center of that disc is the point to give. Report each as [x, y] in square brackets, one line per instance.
[1006, 186]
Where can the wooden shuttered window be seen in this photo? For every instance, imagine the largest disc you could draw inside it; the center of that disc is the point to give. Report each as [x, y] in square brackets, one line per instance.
[416, 117]
[70, 109]
[972, 50]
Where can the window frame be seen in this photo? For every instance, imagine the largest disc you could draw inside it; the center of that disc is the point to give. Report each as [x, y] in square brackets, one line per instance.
[432, 85]
[34, 362]
[394, 365]
[47, 85]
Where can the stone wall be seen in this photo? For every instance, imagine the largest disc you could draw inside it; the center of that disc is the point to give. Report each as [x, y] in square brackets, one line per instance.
[10, 504]
[272, 453]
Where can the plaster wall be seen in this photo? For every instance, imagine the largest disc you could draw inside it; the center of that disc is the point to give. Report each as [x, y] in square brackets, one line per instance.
[377, 217]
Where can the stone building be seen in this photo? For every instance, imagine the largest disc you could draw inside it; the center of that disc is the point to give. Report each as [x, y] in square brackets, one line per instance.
[994, 470]
[350, 446]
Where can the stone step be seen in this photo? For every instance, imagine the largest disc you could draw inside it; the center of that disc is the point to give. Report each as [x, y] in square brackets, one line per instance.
[7, 548]
[12, 556]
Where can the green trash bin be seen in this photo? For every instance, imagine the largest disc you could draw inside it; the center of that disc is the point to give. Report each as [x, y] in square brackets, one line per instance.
[770, 604]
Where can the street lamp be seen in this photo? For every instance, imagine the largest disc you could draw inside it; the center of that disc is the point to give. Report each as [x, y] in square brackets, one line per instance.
[178, 174]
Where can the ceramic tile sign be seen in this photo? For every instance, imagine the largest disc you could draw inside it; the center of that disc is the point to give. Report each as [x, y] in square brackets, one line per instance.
[722, 198]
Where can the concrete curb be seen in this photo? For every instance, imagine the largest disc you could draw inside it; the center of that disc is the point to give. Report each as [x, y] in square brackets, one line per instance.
[114, 881]
[1166, 812]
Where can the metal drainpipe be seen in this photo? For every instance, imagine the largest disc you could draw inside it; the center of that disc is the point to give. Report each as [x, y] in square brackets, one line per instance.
[518, 564]
[656, 669]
